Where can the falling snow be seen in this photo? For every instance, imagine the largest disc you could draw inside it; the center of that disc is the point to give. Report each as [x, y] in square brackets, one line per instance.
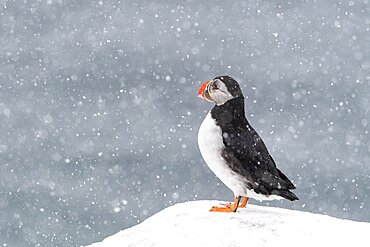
[100, 114]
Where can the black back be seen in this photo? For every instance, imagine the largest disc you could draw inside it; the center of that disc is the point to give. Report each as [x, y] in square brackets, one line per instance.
[246, 153]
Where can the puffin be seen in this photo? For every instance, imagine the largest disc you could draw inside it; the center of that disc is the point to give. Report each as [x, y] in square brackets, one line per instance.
[234, 151]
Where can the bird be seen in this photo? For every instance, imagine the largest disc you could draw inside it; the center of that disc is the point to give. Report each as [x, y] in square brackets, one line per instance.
[234, 151]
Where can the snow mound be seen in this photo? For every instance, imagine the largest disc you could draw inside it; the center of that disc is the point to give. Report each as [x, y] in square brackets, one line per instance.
[191, 224]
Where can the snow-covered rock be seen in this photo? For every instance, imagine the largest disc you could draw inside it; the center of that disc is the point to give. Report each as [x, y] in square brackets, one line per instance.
[191, 224]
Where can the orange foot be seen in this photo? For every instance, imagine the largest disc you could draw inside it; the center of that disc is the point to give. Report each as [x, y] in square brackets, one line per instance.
[222, 209]
[229, 204]
[229, 208]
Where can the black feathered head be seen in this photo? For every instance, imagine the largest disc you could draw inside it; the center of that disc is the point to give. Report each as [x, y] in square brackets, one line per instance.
[220, 90]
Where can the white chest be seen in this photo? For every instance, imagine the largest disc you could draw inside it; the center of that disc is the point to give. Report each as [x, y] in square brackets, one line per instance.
[211, 144]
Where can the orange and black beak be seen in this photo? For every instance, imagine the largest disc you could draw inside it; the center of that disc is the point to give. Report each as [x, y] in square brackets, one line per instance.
[204, 93]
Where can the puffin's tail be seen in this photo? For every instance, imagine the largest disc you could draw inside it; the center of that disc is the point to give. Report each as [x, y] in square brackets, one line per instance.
[286, 194]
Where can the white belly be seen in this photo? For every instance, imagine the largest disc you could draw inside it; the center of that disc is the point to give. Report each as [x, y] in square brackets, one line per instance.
[211, 144]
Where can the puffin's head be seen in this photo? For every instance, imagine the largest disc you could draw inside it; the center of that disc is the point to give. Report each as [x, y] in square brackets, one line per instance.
[220, 90]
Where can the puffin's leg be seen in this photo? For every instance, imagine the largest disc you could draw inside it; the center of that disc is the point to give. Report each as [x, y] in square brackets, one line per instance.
[244, 203]
[232, 208]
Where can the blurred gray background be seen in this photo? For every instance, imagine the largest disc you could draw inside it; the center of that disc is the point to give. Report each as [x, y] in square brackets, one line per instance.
[99, 114]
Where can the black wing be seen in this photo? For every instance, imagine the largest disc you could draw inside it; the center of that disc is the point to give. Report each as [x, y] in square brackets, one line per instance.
[247, 151]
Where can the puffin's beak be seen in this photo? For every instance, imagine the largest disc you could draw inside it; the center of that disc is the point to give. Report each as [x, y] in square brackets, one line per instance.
[203, 93]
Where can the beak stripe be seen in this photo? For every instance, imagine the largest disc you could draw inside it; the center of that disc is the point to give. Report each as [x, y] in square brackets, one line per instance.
[201, 90]
[204, 93]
